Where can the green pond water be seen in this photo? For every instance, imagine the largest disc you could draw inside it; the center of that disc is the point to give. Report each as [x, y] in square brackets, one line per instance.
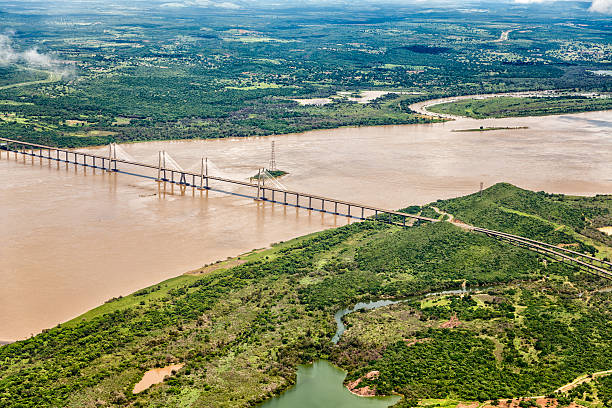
[319, 385]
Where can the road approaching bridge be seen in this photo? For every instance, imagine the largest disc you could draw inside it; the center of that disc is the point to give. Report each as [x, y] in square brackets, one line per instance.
[202, 181]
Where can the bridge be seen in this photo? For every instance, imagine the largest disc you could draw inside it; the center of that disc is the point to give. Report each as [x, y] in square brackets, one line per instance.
[203, 180]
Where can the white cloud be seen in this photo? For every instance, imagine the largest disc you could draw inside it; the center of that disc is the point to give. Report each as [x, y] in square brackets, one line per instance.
[31, 58]
[598, 6]
[173, 5]
[228, 5]
[7, 54]
[201, 3]
[35, 58]
[601, 6]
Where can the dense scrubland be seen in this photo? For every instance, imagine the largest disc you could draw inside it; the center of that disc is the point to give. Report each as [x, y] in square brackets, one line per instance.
[202, 74]
[242, 330]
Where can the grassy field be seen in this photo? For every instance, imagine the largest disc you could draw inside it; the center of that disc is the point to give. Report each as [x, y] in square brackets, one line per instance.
[243, 325]
[506, 106]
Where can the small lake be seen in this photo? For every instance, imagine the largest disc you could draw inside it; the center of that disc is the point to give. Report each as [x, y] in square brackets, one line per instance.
[319, 385]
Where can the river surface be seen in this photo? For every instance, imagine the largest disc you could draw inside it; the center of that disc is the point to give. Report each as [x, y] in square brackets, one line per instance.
[72, 238]
[319, 385]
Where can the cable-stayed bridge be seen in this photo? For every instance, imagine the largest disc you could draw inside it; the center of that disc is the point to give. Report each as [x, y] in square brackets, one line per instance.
[168, 170]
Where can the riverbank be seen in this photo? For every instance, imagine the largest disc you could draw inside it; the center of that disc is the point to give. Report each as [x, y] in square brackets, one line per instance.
[283, 116]
[265, 316]
[453, 108]
[109, 214]
[273, 310]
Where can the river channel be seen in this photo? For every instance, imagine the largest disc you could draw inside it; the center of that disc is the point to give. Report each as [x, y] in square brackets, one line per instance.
[73, 238]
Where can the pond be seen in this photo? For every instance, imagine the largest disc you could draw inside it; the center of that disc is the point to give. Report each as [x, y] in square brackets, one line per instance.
[319, 385]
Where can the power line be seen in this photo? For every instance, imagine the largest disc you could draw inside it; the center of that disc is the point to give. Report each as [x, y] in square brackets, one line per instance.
[272, 166]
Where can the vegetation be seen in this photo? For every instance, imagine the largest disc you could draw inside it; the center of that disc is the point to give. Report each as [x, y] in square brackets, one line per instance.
[521, 340]
[507, 106]
[272, 173]
[202, 73]
[553, 218]
[241, 331]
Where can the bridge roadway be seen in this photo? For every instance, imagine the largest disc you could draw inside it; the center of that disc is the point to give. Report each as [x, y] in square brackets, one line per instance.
[201, 181]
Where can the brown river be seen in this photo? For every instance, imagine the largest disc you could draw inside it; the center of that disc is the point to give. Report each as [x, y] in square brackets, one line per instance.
[73, 238]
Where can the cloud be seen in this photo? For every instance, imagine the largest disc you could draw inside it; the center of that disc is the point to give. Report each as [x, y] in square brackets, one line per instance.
[601, 6]
[31, 58]
[7, 54]
[35, 58]
[228, 5]
[173, 5]
[201, 3]
[597, 6]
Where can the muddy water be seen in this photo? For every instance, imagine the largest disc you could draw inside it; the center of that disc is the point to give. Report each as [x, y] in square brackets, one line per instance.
[155, 376]
[72, 239]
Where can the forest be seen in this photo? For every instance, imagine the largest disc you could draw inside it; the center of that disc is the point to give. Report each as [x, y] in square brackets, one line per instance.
[201, 74]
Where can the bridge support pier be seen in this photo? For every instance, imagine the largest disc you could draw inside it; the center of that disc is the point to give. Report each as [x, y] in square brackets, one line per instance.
[258, 184]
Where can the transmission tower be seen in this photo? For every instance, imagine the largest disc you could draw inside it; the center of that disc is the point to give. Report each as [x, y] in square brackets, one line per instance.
[272, 166]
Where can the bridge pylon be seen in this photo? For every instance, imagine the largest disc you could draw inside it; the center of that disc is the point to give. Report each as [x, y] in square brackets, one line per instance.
[112, 157]
[259, 178]
[161, 166]
[204, 173]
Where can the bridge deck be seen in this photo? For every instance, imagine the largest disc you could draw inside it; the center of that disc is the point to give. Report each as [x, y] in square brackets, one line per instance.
[591, 264]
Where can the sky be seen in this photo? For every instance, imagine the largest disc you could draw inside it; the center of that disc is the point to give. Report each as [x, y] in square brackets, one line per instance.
[596, 6]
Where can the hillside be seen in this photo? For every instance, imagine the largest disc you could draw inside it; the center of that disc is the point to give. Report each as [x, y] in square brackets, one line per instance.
[553, 218]
[242, 327]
